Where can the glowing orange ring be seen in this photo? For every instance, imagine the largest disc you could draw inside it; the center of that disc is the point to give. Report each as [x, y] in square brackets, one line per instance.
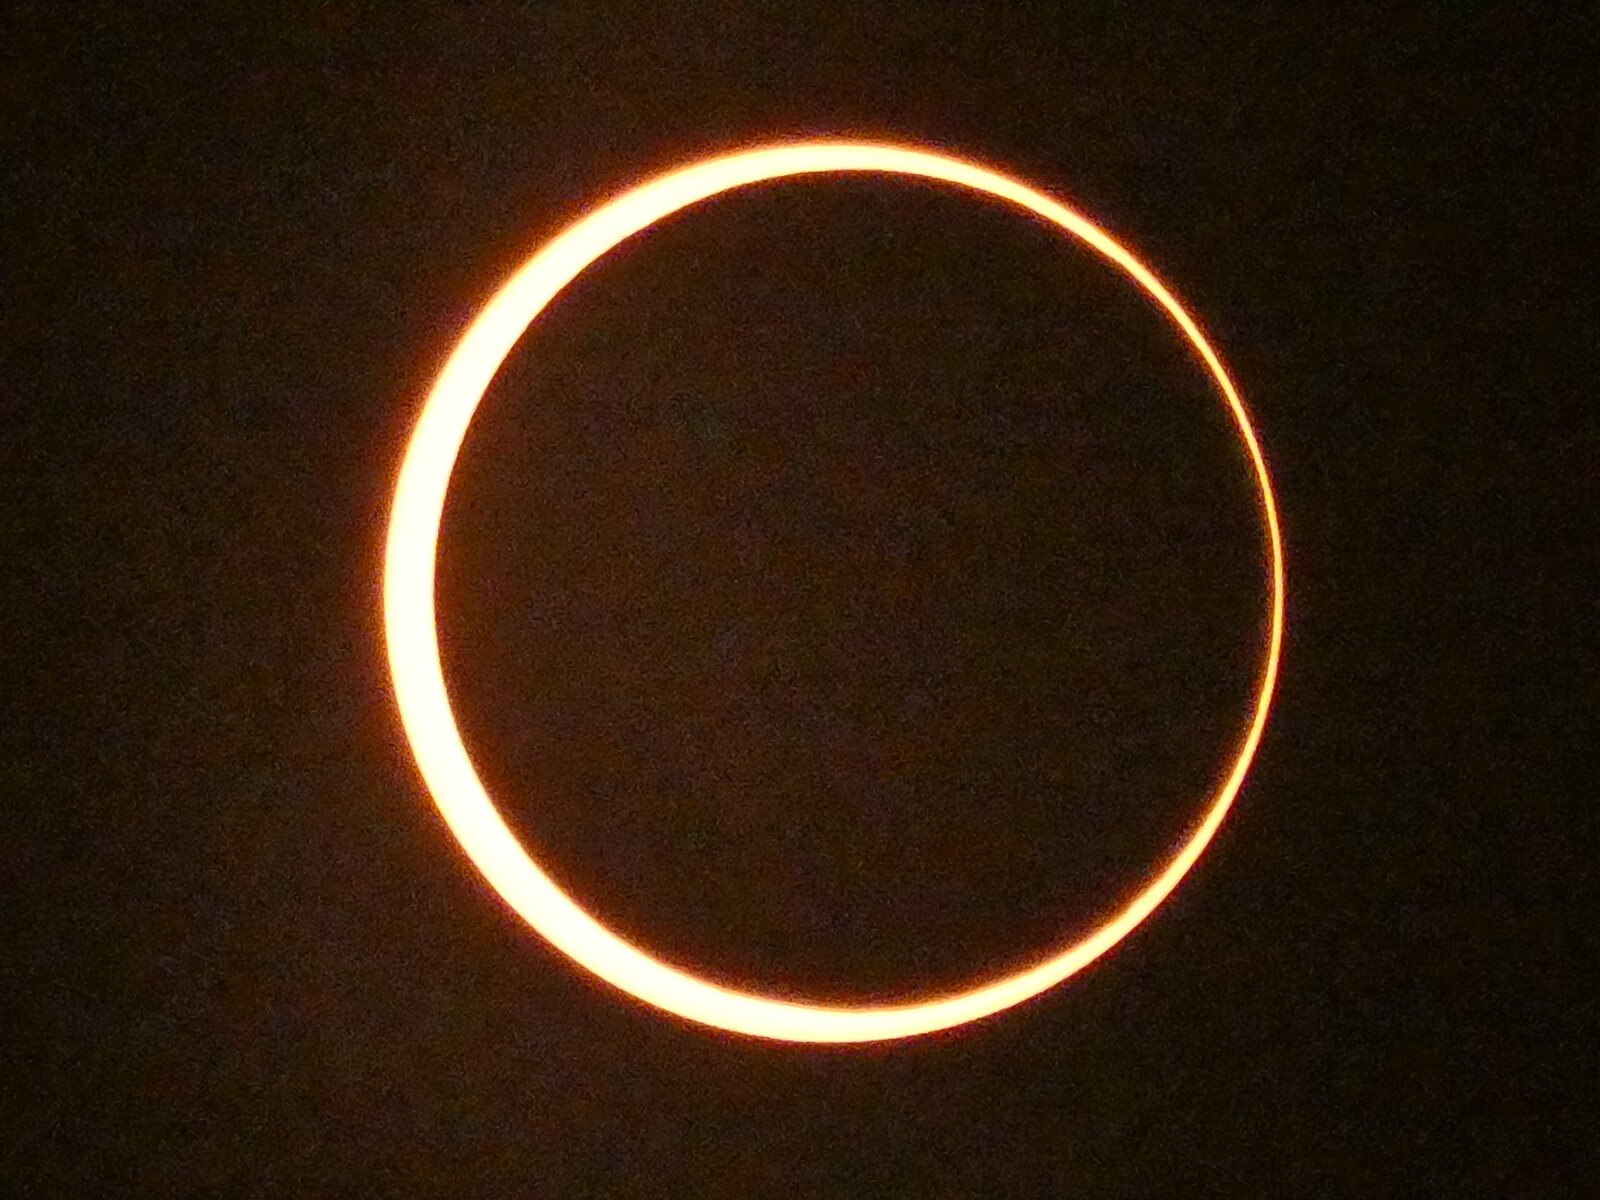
[414, 648]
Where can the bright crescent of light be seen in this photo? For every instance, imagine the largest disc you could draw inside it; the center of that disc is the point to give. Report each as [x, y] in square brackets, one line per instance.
[413, 645]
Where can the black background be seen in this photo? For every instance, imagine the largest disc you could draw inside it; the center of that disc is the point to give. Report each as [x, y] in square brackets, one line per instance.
[850, 591]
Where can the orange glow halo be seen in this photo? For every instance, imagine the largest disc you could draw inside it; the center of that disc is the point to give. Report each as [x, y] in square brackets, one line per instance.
[413, 639]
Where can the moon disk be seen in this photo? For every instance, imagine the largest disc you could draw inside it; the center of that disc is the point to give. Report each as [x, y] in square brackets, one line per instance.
[413, 643]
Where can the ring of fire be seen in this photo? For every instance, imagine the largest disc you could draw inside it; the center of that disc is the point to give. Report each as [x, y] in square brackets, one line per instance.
[412, 637]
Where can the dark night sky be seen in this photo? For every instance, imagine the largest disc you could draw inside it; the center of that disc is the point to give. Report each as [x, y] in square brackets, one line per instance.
[850, 587]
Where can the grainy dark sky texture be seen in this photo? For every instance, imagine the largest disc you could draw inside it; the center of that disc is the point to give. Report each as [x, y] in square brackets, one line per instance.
[850, 587]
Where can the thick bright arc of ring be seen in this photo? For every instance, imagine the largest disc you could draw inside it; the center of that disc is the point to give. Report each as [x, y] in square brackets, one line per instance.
[413, 645]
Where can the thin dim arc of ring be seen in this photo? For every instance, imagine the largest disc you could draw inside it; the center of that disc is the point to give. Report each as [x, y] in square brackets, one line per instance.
[412, 638]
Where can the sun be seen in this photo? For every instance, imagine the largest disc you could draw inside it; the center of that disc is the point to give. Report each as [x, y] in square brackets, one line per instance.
[413, 644]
